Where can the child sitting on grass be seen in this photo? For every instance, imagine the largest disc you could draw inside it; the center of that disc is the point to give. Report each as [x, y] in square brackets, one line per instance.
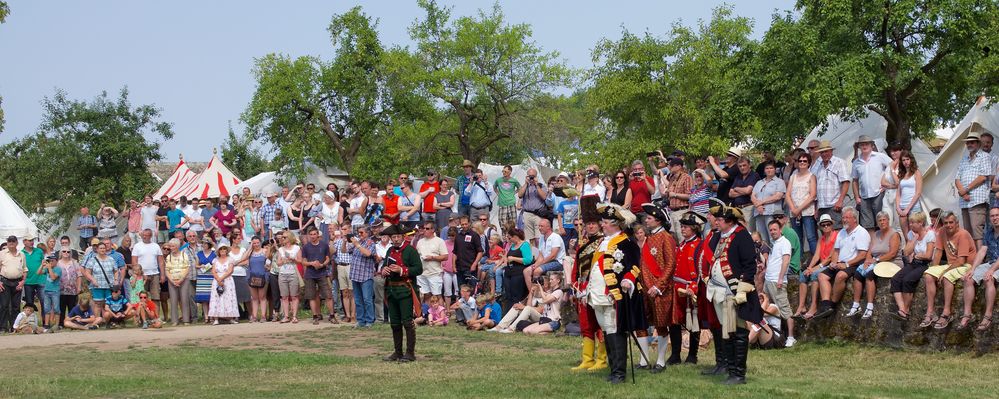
[489, 313]
[115, 308]
[438, 314]
[82, 317]
[27, 321]
[144, 313]
[464, 309]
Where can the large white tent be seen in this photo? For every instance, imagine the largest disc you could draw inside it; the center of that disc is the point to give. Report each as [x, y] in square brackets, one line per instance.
[271, 181]
[13, 220]
[844, 133]
[938, 176]
[181, 177]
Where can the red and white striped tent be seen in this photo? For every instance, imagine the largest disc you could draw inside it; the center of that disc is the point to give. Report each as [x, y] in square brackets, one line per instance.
[214, 181]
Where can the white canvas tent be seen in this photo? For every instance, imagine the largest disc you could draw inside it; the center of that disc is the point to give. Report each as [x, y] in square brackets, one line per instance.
[843, 134]
[270, 181]
[216, 180]
[938, 176]
[13, 220]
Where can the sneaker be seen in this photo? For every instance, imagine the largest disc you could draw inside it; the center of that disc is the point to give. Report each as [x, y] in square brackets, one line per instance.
[790, 342]
[853, 311]
[506, 331]
[92, 327]
[234, 321]
[868, 313]
[315, 321]
[215, 323]
[46, 331]
[145, 325]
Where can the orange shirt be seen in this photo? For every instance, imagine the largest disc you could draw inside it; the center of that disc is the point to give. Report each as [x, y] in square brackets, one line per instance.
[391, 206]
[428, 201]
[961, 245]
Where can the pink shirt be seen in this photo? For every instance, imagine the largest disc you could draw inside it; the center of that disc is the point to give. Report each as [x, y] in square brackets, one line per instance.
[438, 313]
[134, 219]
[448, 265]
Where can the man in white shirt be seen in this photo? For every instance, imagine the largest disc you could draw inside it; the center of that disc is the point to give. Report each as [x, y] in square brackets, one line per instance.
[850, 250]
[149, 256]
[148, 215]
[775, 283]
[868, 168]
[551, 249]
[432, 251]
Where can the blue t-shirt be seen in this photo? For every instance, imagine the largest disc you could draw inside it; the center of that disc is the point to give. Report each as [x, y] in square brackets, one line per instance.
[174, 216]
[84, 314]
[50, 284]
[117, 305]
[569, 210]
[496, 312]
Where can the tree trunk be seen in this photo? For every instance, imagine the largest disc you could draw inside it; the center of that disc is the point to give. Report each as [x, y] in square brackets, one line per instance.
[898, 130]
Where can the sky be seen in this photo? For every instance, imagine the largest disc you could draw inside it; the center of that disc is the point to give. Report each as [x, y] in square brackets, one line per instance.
[194, 59]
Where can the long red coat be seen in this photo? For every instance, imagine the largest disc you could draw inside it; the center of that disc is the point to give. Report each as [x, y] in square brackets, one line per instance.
[686, 269]
[658, 264]
[703, 259]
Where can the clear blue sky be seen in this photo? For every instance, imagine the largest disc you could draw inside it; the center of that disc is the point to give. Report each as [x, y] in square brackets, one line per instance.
[194, 59]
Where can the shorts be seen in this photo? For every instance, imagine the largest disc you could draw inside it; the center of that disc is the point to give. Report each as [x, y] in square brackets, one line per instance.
[162, 236]
[450, 284]
[953, 275]
[553, 266]
[322, 284]
[530, 226]
[868, 208]
[832, 272]
[113, 319]
[100, 294]
[555, 325]
[974, 219]
[803, 279]
[343, 277]
[153, 287]
[978, 275]
[288, 285]
[50, 302]
[430, 284]
[778, 296]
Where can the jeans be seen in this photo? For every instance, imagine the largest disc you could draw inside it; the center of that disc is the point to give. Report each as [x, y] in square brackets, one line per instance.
[570, 234]
[498, 276]
[10, 301]
[463, 209]
[364, 298]
[337, 298]
[380, 299]
[805, 227]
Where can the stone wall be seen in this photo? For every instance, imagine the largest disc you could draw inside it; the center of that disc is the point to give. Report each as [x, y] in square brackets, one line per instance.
[884, 330]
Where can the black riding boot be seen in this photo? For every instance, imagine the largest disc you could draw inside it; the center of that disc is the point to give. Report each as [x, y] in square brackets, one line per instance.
[737, 361]
[410, 355]
[720, 359]
[397, 341]
[617, 357]
[675, 344]
[695, 342]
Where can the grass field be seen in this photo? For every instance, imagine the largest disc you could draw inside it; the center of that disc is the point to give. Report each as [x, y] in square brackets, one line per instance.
[454, 363]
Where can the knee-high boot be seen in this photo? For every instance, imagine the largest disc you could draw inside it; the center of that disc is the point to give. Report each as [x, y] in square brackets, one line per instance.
[600, 359]
[588, 347]
[738, 353]
[397, 342]
[410, 355]
[675, 344]
[617, 356]
[720, 359]
[695, 345]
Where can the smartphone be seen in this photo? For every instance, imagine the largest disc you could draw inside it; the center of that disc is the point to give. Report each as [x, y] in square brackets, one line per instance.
[652, 154]
[350, 237]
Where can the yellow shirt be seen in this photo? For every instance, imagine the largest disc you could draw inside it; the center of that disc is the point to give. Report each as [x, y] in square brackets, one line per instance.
[12, 266]
[177, 265]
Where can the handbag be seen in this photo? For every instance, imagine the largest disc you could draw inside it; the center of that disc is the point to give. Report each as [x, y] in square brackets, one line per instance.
[257, 282]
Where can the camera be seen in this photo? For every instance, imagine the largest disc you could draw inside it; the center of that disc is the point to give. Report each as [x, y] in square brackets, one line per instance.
[652, 154]
[531, 178]
[350, 237]
[538, 280]
[636, 174]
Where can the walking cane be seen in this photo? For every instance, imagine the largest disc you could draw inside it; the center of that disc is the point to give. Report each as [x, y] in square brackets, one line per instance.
[627, 321]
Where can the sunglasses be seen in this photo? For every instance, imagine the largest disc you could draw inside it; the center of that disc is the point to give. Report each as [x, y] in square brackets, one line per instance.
[619, 177]
[825, 225]
[143, 297]
[812, 147]
[802, 161]
[65, 252]
[483, 220]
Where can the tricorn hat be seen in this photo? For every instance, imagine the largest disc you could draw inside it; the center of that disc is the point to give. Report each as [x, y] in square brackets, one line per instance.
[657, 212]
[610, 211]
[395, 229]
[693, 219]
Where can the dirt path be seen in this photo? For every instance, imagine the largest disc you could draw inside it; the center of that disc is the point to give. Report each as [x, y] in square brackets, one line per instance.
[122, 338]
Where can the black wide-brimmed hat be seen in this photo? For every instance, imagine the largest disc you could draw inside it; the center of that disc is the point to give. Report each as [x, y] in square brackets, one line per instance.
[693, 219]
[395, 229]
[658, 212]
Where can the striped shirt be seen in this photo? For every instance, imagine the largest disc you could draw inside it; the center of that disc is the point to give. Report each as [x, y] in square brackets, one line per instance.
[362, 268]
[342, 256]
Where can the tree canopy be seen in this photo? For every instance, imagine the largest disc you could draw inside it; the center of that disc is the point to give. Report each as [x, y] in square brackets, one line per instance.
[85, 153]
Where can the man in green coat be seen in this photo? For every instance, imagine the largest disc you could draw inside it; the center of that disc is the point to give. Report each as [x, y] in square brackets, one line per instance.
[400, 268]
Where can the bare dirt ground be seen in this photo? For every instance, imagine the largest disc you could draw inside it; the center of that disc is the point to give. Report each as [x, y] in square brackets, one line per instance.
[257, 334]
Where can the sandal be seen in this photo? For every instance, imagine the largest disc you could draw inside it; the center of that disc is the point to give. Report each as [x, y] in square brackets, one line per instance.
[867, 314]
[284, 320]
[900, 315]
[965, 322]
[985, 324]
[294, 320]
[943, 322]
[808, 316]
[928, 320]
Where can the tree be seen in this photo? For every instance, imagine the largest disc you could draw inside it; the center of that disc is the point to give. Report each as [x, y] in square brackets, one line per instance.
[325, 111]
[85, 153]
[487, 73]
[242, 156]
[917, 63]
[678, 91]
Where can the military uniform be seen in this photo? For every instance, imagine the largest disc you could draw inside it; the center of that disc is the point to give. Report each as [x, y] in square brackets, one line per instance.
[594, 352]
[685, 287]
[657, 266]
[400, 296]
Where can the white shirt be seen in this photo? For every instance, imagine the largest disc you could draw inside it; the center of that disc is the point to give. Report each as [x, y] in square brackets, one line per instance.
[869, 172]
[596, 287]
[431, 247]
[849, 243]
[148, 218]
[549, 243]
[553, 309]
[288, 258]
[920, 246]
[148, 256]
[780, 248]
[597, 190]
[357, 219]
[382, 250]
[188, 213]
[236, 254]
